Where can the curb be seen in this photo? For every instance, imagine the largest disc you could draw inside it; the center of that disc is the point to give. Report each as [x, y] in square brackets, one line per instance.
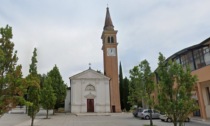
[201, 121]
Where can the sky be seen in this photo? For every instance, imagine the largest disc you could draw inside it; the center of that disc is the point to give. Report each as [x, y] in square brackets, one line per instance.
[67, 33]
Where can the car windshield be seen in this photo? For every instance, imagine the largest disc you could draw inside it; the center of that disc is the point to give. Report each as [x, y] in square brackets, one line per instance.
[150, 110]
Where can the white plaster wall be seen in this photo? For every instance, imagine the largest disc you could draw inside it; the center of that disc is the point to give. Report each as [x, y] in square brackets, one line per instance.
[101, 100]
[83, 102]
[72, 93]
[107, 101]
[67, 101]
[101, 93]
[75, 109]
[76, 96]
[78, 92]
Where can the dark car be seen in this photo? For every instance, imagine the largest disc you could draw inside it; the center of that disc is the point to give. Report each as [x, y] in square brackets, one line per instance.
[136, 111]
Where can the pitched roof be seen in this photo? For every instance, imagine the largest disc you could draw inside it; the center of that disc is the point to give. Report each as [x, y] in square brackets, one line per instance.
[89, 74]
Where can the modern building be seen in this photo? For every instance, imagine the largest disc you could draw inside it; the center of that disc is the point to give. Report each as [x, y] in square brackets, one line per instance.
[197, 57]
[92, 91]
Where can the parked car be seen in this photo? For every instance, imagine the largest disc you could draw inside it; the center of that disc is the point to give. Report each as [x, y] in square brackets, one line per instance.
[168, 119]
[145, 114]
[135, 111]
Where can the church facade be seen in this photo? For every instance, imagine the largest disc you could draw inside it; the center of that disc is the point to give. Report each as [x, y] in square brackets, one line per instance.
[92, 91]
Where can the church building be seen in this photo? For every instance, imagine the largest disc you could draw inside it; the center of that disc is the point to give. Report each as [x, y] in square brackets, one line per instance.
[92, 91]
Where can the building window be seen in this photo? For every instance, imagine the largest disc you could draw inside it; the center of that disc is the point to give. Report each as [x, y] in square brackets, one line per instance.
[112, 39]
[177, 60]
[109, 40]
[206, 52]
[208, 94]
[190, 61]
[187, 61]
[199, 58]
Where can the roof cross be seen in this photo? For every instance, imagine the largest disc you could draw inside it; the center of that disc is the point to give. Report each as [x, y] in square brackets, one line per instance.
[89, 65]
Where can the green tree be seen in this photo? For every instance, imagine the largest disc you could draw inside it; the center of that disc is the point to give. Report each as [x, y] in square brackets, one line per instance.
[148, 85]
[126, 93]
[11, 81]
[135, 97]
[33, 80]
[33, 65]
[48, 98]
[122, 97]
[42, 78]
[58, 86]
[175, 90]
[33, 97]
[142, 86]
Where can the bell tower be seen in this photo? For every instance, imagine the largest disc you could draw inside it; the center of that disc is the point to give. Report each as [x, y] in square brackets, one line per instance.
[109, 47]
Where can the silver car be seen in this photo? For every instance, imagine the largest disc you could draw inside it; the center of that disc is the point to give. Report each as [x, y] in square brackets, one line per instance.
[145, 114]
[136, 111]
[167, 119]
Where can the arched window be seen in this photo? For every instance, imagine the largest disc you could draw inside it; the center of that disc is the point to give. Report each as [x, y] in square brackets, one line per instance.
[109, 40]
[112, 39]
[90, 87]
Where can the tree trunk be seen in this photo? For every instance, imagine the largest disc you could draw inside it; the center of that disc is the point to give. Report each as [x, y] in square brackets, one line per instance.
[32, 121]
[175, 123]
[181, 123]
[151, 123]
[53, 111]
[150, 113]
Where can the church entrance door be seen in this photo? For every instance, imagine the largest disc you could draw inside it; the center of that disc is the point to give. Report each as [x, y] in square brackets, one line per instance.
[90, 105]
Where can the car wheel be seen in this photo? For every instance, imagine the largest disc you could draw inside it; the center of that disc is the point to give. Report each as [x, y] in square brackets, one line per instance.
[147, 117]
[169, 120]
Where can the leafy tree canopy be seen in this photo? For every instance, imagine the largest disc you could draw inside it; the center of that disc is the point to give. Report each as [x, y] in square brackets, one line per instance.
[124, 91]
[135, 97]
[48, 98]
[58, 86]
[11, 81]
[33, 80]
[175, 90]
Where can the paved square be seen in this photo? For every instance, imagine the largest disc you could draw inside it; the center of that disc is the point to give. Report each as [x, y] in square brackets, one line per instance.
[62, 119]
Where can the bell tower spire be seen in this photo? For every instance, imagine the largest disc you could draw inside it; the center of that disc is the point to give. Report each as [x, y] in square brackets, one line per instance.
[109, 47]
[108, 21]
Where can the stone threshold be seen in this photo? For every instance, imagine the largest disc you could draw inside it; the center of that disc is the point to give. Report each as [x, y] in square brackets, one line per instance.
[92, 114]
